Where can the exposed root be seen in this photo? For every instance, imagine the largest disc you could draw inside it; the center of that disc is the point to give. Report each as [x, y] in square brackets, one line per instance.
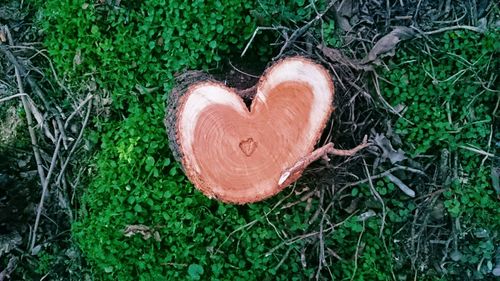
[321, 152]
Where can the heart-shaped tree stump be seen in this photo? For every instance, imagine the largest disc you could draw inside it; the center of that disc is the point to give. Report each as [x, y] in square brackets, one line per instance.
[240, 155]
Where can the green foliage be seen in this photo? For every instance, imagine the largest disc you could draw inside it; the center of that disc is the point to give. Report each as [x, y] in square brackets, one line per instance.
[445, 94]
[445, 90]
[278, 14]
[144, 43]
[448, 105]
[195, 271]
[45, 262]
[329, 34]
[287, 13]
[140, 46]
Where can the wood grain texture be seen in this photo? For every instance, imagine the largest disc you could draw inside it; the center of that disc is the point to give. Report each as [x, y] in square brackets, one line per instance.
[237, 154]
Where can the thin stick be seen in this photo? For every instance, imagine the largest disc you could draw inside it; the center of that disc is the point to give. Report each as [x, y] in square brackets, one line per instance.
[381, 175]
[357, 251]
[489, 145]
[89, 97]
[259, 28]
[248, 225]
[242, 72]
[478, 151]
[40, 52]
[375, 78]
[312, 234]
[377, 196]
[11, 97]
[80, 135]
[44, 191]
[285, 256]
[444, 29]
[29, 120]
[321, 242]
[12, 59]
[34, 86]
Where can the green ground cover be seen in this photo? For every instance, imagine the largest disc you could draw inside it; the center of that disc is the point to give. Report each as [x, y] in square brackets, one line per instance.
[444, 86]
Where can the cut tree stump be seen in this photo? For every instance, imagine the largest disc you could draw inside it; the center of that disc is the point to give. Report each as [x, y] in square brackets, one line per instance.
[238, 154]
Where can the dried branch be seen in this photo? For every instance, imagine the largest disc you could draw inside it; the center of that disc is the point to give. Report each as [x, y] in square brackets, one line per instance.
[357, 252]
[383, 174]
[29, 120]
[377, 196]
[9, 269]
[44, 192]
[66, 123]
[75, 144]
[12, 97]
[34, 86]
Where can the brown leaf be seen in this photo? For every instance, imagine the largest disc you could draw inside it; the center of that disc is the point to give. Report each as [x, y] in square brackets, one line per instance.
[387, 44]
[3, 38]
[336, 56]
[345, 11]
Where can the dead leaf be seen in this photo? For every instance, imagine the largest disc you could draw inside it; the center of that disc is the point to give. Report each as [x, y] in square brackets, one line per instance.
[141, 229]
[159, 41]
[408, 191]
[495, 179]
[40, 119]
[9, 241]
[387, 44]
[353, 206]
[3, 38]
[335, 56]
[36, 250]
[456, 255]
[92, 86]
[345, 11]
[156, 236]
[21, 163]
[393, 135]
[77, 59]
[366, 215]
[11, 266]
[388, 152]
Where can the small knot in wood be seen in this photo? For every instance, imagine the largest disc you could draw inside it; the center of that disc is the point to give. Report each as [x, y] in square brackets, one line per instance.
[248, 146]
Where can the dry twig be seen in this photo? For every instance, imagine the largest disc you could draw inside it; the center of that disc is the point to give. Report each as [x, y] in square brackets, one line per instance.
[29, 120]
[45, 186]
[377, 196]
[12, 97]
[357, 250]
